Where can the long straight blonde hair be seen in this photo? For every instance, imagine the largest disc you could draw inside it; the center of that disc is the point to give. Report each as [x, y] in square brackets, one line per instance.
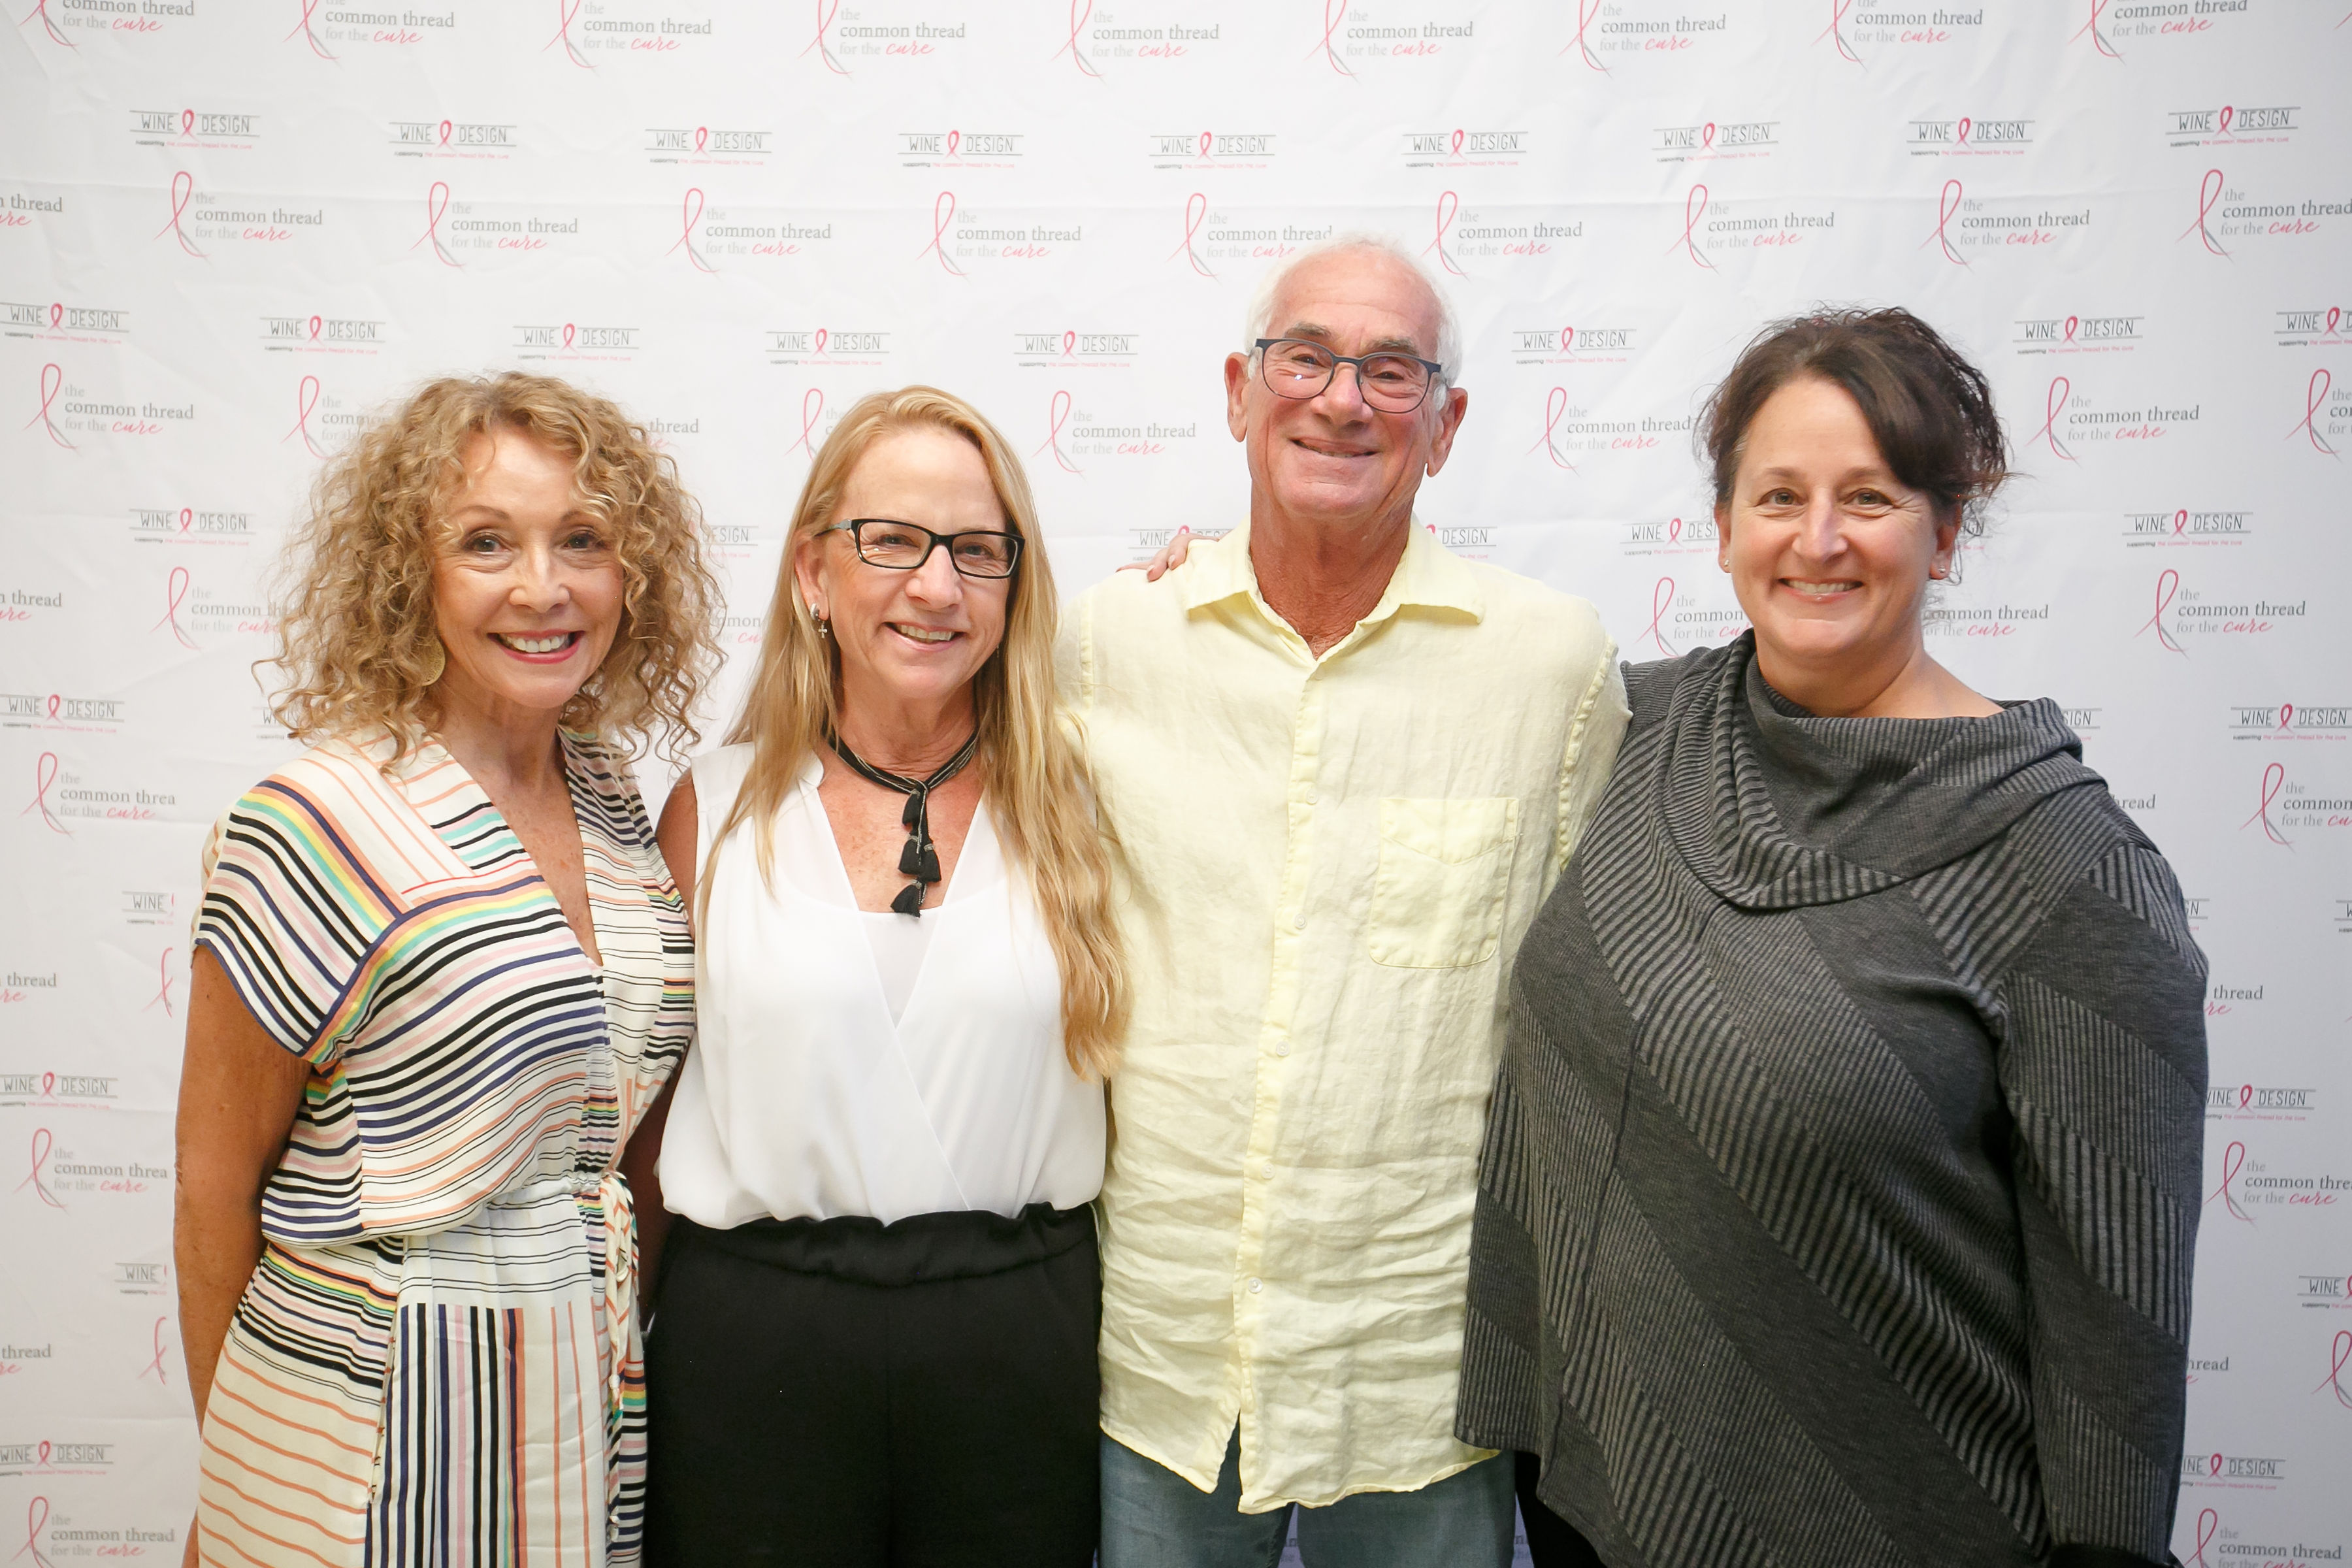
[1036, 780]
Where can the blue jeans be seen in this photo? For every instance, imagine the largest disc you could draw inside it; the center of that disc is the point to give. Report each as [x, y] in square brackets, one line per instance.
[1154, 1518]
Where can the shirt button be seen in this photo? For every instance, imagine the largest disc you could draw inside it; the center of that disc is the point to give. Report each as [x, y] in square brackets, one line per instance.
[1255, 1286]
[1310, 797]
[1301, 921]
[1282, 1049]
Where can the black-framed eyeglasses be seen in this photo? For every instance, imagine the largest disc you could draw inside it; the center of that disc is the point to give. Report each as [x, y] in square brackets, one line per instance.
[903, 546]
[1392, 382]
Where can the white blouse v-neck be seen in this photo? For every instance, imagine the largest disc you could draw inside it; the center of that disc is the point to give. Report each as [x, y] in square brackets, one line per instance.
[841, 1070]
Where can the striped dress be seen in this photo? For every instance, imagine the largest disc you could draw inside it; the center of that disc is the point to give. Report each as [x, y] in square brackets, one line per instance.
[437, 1359]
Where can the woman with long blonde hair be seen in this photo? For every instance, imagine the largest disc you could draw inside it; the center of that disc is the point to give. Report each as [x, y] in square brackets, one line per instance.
[440, 972]
[876, 1338]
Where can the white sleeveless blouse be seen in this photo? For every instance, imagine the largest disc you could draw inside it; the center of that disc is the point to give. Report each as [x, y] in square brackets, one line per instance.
[802, 1096]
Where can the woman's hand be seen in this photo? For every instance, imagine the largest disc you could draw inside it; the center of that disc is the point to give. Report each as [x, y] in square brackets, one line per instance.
[238, 1092]
[1172, 555]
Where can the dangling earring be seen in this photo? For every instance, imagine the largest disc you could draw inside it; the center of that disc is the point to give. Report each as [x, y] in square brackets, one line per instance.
[824, 626]
[437, 660]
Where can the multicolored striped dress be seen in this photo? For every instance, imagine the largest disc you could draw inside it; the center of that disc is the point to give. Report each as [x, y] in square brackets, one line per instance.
[437, 1359]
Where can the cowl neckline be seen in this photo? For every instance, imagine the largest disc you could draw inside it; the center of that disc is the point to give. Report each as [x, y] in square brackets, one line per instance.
[1774, 808]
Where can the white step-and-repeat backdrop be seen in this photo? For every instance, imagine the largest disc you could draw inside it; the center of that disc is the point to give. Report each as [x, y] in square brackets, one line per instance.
[229, 230]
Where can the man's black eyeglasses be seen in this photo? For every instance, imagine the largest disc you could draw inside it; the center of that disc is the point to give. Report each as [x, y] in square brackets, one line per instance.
[904, 546]
[1392, 382]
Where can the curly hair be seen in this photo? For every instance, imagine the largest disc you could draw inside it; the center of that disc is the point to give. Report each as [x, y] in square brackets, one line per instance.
[1929, 409]
[356, 630]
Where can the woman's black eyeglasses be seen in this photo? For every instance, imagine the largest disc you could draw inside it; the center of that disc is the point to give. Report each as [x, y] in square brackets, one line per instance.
[1392, 382]
[904, 546]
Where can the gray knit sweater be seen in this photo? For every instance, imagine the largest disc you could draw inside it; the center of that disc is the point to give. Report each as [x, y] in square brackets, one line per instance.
[1841, 1185]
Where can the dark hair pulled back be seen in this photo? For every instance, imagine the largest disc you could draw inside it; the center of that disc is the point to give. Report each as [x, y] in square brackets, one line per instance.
[1929, 409]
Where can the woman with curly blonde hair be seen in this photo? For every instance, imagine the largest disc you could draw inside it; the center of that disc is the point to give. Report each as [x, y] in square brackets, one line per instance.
[441, 971]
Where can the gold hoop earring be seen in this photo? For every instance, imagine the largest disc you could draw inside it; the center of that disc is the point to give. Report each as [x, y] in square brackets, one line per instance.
[437, 660]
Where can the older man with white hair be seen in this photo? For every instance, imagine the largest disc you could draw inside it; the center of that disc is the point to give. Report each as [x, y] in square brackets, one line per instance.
[1344, 766]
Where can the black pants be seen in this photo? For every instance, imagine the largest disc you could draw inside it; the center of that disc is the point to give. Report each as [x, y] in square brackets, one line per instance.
[1552, 1542]
[846, 1395]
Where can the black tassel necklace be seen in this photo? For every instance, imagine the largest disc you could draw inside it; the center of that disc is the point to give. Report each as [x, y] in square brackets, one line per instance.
[919, 859]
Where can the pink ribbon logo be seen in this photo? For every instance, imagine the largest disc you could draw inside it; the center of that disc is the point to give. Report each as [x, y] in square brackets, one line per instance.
[1456, 152]
[1964, 127]
[187, 123]
[2227, 111]
[820, 44]
[1448, 204]
[156, 1365]
[2213, 1465]
[48, 25]
[569, 330]
[1662, 599]
[2053, 403]
[45, 773]
[2315, 398]
[2273, 783]
[1948, 204]
[310, 34]
[1586, 10]
[57, 314]
[2339, 1354]
[1693, 209]
[1555, 405]
[1058, 413]
[2167, 584]
[1674, 530]
[37, 1519]
[1836, 30]
[1069, 344]
[2286, 714]
[690, 212]
[2180, 522]
[315, 324]
[566, 11]
[2098, 39]
[1080, 10]
[2245, 1095]
[2233, 1159]
[183, 190]
[445, 129]
[48, 1084]
[38, 1182]
[823, 336]
[187, 518]
[812, 410]
[943, 215]
[1334, 12]
[306, 398]
[2208, 192]
[1196, 213]
[1706, 136]
[175, 592]
[1208, 141]
[2334, 314]
[2208, 1524]
[955, 140]
[701, 137]
[53, 700]
[436, 204]
[163, 991]
[53, 381]
[2072, 322]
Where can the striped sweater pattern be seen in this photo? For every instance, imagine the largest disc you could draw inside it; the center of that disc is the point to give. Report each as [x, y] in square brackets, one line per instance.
[1841, 1184]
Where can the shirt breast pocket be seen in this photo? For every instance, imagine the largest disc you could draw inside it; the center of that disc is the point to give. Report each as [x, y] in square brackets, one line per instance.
[1443, 874]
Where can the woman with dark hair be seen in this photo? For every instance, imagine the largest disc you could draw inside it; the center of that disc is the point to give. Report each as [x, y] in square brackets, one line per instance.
[1839, 1189]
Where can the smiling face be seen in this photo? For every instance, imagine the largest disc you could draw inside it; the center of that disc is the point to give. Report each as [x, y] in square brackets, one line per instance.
[1829, 552]
[527, 590]
[916, 636]
[1334, 458]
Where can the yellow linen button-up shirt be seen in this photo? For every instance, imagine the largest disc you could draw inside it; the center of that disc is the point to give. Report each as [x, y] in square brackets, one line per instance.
[1328, 864]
